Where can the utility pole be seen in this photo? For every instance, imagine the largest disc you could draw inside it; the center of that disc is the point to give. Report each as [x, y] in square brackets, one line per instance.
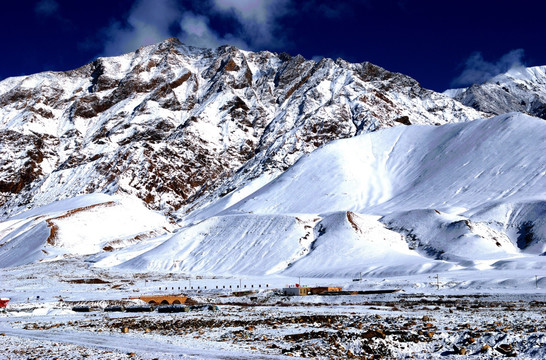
[438, 281]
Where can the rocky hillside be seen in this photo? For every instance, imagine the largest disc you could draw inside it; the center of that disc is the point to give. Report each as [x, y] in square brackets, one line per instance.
[520, 89]
[173, 124]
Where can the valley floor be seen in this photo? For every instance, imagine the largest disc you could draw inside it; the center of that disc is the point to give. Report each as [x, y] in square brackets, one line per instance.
[429, 318]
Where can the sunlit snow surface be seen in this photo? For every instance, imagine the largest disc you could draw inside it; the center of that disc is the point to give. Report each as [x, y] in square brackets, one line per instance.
[406, 200]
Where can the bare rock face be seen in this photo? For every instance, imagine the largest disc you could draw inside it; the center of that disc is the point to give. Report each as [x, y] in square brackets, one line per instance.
[26, 154]
[176, 125]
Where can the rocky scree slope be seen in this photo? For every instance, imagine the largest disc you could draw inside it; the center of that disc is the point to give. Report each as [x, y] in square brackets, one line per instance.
[173, 124]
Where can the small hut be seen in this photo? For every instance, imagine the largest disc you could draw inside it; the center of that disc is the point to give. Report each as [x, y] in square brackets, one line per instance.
[296, 291]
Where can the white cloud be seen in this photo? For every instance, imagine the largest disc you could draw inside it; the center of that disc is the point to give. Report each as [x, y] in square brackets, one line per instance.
[46, 7]
[257, 17]
[477, 70]
[252, 24]
[197, 32]
[248, 10]
[148, 23]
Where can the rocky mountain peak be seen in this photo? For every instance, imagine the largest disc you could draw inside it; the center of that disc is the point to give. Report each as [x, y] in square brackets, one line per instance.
[177, 125]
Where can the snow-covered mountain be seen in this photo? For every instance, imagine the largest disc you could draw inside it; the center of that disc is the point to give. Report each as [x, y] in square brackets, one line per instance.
[171, 123]
[414, 198]
[397, 201]
[231, 162]
[520, 89]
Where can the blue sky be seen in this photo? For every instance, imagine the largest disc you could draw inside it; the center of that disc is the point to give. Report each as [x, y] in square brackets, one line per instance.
[441, 44]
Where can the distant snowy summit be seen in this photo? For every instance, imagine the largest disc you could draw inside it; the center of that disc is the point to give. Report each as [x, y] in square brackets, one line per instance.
[520, 89]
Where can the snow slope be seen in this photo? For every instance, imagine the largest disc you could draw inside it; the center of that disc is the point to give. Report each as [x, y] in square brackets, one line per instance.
[452, 168]
[408, 199]
[83, 225]
[251, 244]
